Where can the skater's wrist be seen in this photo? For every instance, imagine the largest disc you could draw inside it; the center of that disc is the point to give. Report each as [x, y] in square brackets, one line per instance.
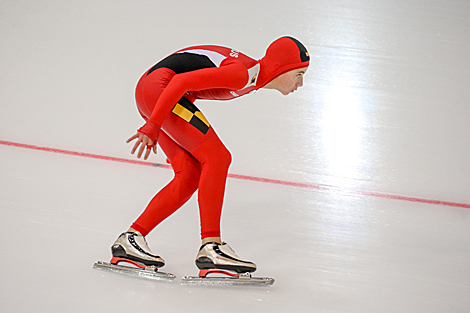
[151, 129]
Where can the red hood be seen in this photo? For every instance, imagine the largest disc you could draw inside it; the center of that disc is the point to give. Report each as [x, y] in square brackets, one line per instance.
[283, 55]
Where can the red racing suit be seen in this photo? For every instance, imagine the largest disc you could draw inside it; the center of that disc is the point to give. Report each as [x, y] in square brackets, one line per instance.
[165, 98]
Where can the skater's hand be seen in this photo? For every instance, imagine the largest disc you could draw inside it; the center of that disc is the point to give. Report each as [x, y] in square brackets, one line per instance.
[145, 143]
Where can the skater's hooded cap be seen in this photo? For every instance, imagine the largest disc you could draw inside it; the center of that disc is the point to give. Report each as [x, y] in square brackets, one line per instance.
[283, 55]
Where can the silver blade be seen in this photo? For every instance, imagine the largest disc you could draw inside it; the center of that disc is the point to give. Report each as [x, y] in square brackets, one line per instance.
[242, 280]
[149, 272]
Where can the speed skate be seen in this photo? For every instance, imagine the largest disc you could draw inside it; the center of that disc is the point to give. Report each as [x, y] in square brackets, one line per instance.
[132, 248]
[220, 259]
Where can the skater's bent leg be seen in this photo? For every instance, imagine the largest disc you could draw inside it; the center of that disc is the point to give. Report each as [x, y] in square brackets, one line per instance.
[206, 147]
[215, 160]
[187, 173]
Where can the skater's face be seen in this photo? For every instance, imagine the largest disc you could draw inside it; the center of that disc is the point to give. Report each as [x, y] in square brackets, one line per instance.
[289, 81]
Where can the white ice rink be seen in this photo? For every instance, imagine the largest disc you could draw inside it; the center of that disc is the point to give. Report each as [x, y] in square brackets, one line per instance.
[376, 146]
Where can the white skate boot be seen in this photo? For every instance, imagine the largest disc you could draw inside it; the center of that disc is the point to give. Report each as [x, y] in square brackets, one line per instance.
[131, 247]
[213, 255]
[216, 258]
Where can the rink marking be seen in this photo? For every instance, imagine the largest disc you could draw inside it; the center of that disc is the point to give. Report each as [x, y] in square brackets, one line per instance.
[86, 155]
[245, 177]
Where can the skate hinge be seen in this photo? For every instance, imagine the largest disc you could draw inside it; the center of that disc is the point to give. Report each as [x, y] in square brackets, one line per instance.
[204, 273]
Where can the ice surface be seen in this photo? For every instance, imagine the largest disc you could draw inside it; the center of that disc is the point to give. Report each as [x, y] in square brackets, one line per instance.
[384, 110]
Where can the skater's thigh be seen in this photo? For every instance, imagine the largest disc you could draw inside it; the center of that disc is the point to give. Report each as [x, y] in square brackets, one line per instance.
[187, 126]
[203, 145]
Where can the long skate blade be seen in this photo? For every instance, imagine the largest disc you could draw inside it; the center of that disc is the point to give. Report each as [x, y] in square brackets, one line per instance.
[242, 280]
[147, 273]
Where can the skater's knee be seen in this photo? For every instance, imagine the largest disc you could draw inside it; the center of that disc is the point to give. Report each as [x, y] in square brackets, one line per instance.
[188, 181]
[217, 157]
[187, 172]
[223, 158]
[213, 153]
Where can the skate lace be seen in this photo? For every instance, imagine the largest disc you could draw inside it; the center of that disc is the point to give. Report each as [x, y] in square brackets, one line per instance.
[230, 248]
[136, 245]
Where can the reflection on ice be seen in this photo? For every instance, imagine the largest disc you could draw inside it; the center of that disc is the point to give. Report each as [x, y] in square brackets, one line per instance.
[342, 132]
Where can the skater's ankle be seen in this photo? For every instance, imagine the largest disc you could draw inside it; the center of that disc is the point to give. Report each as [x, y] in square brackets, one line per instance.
[211, 239]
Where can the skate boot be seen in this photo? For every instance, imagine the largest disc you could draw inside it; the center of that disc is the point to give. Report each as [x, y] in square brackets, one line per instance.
[218, 256]
[131, 247]
[220, 259]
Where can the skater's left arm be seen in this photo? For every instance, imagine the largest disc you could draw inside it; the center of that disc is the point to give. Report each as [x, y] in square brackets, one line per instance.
[145, 143]
[231, 76]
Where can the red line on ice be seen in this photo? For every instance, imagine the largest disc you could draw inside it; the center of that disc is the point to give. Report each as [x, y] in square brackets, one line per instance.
[244, 177]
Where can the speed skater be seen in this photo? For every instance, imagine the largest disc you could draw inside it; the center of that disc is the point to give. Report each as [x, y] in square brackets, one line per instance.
[165, 97]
